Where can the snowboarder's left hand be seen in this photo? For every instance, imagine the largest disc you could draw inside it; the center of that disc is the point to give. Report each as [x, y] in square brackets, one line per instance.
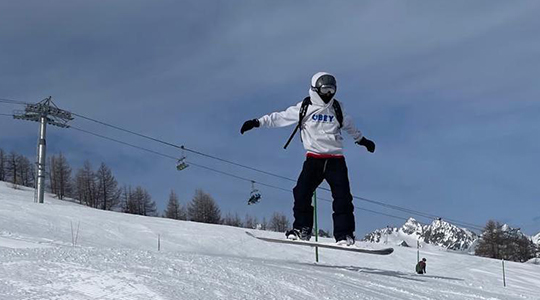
[369, 144]
[248, 125]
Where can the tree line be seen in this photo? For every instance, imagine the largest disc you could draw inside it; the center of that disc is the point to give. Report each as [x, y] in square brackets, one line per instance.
[17, 169]
[203, 208]
[100, 189]
[95, 188]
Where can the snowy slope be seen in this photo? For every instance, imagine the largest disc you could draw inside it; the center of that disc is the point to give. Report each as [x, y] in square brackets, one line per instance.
[116, 258]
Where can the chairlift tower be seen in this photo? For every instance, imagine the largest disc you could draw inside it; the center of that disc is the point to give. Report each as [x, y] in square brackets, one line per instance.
[44, 112]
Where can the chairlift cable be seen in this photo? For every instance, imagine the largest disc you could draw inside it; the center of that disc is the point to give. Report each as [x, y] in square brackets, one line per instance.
[217, 171]
[419, 213]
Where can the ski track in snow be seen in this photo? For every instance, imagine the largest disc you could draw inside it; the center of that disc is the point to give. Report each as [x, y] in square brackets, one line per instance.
[116, 258]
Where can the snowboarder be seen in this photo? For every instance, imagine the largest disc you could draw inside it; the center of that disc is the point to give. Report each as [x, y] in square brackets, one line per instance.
[320, 118]
[421, 266]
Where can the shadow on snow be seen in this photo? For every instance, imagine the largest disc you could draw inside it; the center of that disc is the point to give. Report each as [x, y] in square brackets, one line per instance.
[402, 275]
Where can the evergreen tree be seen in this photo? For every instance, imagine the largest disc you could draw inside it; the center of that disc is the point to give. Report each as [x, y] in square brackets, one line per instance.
[526, 249]
[516, 246]
[490, 241]
[504, 243]
[204, 209]
[174, 209]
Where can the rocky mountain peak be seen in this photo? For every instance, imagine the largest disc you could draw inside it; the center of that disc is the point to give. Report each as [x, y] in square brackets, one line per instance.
[412, 226]
[439, 232]
[448, 235]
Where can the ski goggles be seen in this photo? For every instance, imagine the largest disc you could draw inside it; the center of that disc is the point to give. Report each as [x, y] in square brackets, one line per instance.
[327, 89]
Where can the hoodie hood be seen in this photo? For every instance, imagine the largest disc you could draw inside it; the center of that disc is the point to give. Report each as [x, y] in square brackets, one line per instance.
[320, 128]
[315, 98]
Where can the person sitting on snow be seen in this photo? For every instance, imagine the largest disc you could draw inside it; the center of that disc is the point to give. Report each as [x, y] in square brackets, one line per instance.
[421, 266]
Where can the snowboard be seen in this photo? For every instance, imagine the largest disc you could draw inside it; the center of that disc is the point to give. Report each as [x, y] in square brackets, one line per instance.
[384, 251]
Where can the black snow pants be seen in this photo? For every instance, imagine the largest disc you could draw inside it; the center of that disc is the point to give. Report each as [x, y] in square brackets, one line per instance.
[315, 170]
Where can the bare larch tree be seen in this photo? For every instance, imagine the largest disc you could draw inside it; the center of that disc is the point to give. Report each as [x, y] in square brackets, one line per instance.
[174, 209]
[204, 209]
[279, 222]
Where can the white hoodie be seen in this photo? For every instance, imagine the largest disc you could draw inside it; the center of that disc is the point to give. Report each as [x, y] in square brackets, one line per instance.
[320, 129]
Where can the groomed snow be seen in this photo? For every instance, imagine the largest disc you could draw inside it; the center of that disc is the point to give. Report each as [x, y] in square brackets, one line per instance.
[116, 257]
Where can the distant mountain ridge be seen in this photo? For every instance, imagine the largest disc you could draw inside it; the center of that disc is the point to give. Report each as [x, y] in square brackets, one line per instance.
[439, 233]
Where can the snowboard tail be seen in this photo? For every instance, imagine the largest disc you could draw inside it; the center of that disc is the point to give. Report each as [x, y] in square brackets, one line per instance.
[384, 251]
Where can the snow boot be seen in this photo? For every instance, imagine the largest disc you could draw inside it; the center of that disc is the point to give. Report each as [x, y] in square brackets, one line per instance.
[303, 234]
[346, 240]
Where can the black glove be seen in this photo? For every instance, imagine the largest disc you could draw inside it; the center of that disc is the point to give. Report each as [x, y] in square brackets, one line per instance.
[248, 125]
[370, 145]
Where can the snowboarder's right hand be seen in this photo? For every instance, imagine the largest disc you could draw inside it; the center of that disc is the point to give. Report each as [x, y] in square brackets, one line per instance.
[248, 125]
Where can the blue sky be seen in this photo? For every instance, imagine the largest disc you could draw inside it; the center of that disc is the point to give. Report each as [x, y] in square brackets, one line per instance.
[447, 90]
